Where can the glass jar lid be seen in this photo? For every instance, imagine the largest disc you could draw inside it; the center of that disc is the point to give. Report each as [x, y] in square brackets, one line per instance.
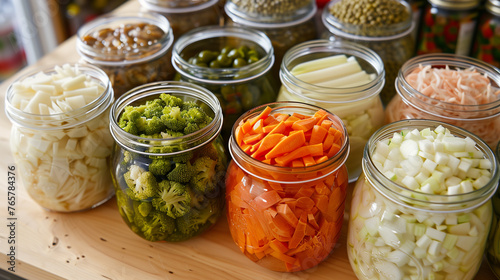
[177, 6]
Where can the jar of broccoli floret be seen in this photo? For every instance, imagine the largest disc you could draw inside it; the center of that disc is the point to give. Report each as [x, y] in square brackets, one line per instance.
[233, 63]
[493, 251]
[342, 77]
[169, 160]
[422, 209]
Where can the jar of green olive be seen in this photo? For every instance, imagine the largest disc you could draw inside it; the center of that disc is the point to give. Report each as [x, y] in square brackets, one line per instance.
[133, 49]
[385, 26]
[286, 23]
[185, 15]
[232, 62]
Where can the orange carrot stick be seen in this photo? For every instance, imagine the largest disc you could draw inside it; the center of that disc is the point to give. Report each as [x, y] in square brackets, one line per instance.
[287, 145]
[265, 200]
[284, 210]
[305, 124]
[267, 143]
[317, 135]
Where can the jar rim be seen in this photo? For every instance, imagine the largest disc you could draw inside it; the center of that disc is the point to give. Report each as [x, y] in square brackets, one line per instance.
[273, 22]
[150, 5]
[89, 54]
[351, 94]
[456, 4]
[43, 122]
[191, 141]
[433, 202]
[242, 159]
[225, 75]
[406, 91]
[333, 25]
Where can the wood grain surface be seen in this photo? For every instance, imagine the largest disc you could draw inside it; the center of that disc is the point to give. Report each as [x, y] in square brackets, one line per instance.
[97, 244]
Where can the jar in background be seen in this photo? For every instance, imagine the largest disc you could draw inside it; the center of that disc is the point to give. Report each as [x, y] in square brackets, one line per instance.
[186, 15]
[286, 23]
[448, 27]
[417, 7]
[493, 248]
[398, 231]
[359, 107]
[133, 49]
[392, 42]
[487, 41]
[177, 207]
[237, 88]
[62, 153]
[479, 116]
[312, 196]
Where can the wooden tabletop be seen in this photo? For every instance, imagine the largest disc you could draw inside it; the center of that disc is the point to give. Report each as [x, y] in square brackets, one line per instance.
[97, 244]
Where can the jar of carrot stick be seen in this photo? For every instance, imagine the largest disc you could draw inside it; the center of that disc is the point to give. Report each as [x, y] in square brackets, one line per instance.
[455, 89]
[286, 184]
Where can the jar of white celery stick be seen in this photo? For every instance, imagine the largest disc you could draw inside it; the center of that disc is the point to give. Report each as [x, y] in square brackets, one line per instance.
[342, 77]
[60, 137]
[421, 209]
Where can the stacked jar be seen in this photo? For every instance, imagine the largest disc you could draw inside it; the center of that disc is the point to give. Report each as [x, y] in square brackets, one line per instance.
[487, 41]
[234, 63]
[133, 49]
[60, 136]
[285, 205]
[186, 15]
[169, 174]
[286, 23]
[385, 28]
[418, 211]
[342, 77]
[455, 89]
[448, 27]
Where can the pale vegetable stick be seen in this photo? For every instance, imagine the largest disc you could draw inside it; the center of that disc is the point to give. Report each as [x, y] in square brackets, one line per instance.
[361, 76]
[329, 73]
[319, 63]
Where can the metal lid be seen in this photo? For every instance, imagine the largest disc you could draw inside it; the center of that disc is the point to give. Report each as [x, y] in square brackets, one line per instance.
[493, 6]
[456, 4]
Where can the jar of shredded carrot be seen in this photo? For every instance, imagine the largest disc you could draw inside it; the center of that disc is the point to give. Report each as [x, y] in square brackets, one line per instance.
[455, 89]
[286, 184]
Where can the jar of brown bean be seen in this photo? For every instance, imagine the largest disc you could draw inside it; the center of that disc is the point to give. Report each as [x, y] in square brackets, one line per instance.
[185, 15]
[385, 26]
[133, 49]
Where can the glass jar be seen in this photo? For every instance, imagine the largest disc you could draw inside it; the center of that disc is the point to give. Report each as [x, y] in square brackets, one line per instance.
[152, 217]
[359, 107]
[393, 43]
[62, 154]
[238, 89]
[133, 49]
[314, 195]
[486, 46]
[185, 15]
[286, 23]
[480, 119]
[448, 27]
[493, 251]
[398, 232]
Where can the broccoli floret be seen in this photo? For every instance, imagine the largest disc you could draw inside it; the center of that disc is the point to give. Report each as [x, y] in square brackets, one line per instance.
[181, 173]
[154, 108]
[158, 227]
[171, 101]
[172, 198]
[152, 126]
[196, 115]
[198, 220]
[128, 119]
[142, 183]
[204, 179]
[160, 166]
[144, 208]
[172, 118]
[190, 128]
[188, 105]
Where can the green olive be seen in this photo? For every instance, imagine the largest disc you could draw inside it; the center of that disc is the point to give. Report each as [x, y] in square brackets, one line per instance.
[252, 59]
[223, 60]
[251, 53]
[234, 53]
[207, 56]
[215, 64]
[239, 62]
[225, 50]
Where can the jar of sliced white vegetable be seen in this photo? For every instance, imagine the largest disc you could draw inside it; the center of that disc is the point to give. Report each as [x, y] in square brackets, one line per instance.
[60, 138]
[344, 78]
[422, 209]
[493, 251]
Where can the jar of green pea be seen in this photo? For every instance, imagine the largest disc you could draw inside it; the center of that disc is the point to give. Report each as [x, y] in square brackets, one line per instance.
[234, 63]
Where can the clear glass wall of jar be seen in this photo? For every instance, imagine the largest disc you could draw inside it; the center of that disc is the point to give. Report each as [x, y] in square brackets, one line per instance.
[62, 153]
[448, 27]
[133, 49]
[493, 248]
[359, 107]
[286, 23]
[254, 229]
[397, 231]
[185, 15]
[480, 116]
[175, 210]
[238, 89]
[394, 43]
[486, 46]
